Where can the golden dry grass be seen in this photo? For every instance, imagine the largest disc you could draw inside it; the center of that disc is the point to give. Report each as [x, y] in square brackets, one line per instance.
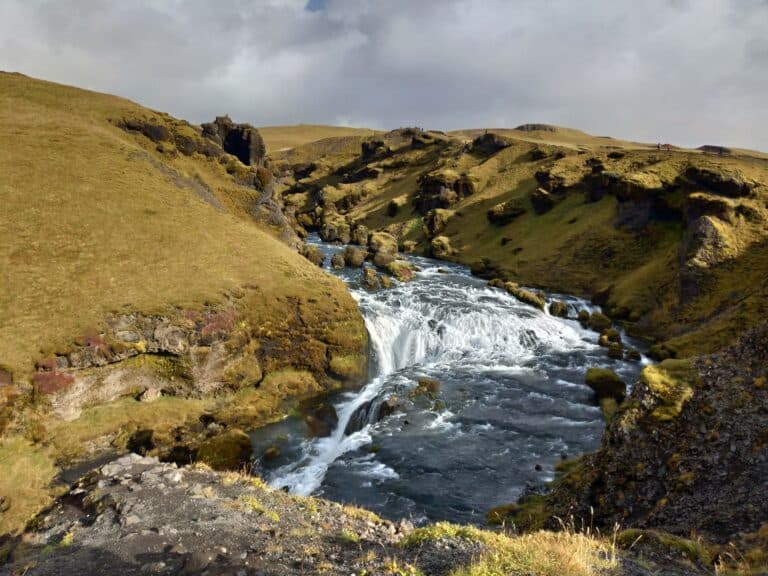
[281, 138]
[92, 223]
[25, 479]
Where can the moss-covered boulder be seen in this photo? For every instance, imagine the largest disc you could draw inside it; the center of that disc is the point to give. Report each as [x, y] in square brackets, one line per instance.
[525, 296]
[370, 280]
[503, 213]
[337, 261]
[671, 384]
[558, 308]
[313, 254]
[359, 234]
[334, 227]
[382, 242]
[599, 322]
[608, 337]
[403, 270]
[606, 384]
[441, 248]
[354, 257]
[231, 450]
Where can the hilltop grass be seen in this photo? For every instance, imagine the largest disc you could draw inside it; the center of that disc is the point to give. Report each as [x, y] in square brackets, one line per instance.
[280, 138]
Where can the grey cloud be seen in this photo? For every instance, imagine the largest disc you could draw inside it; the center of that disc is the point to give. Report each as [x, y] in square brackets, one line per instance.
[683, 71]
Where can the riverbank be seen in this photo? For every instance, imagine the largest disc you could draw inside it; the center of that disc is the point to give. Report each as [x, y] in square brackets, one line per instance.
[138, 516]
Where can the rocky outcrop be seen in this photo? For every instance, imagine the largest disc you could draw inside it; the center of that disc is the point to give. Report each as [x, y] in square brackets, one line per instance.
[136, 515]
[489, 143]
[435, 222]
[241, 140]
[440, 248]
[442, 189]
[505, 212]
[354, 257]
[374, 149]
[726, 182]
[542, 201]
[536, 128]
[687, 450]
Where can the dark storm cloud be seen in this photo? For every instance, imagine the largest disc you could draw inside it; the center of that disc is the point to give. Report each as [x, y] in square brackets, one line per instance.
[685, 71]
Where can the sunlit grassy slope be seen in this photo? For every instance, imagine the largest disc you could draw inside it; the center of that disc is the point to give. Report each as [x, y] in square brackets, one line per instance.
[94, 220]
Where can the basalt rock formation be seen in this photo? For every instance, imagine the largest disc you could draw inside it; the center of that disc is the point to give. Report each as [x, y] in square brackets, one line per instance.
[240, 140]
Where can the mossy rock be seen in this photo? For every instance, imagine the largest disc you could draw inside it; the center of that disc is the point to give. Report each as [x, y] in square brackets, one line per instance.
[441, 248]
[401, 270]
[609, 336]
[583, 317]
[354, 257]
[606, 384]
[337, 261]
[313, 254]
[671, 383]
[559, 309]
[525, 296]
[599, 322]
[382, 242]
[229, 451]
[428, 386]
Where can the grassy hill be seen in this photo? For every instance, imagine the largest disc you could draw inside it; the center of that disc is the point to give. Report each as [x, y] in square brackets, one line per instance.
[111, 210]
[281, 138]
[656, 236]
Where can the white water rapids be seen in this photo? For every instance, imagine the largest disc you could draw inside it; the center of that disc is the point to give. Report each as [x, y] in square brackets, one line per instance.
[450, 326]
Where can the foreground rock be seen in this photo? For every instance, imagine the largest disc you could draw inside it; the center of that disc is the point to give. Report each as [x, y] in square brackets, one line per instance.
[139, 516]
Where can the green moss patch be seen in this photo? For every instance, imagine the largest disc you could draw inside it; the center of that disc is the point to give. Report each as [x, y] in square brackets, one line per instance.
[671, 383]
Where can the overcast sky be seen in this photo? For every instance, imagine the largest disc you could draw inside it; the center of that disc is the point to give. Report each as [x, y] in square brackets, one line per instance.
[688, 72]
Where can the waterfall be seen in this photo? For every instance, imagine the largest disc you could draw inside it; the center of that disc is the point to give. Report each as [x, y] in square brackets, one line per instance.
[436, 323]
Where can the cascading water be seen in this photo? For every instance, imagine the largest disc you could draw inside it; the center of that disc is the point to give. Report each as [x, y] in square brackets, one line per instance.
[511, 402]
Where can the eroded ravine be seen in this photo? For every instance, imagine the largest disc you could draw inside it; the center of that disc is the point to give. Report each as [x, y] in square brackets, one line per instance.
[511, 402]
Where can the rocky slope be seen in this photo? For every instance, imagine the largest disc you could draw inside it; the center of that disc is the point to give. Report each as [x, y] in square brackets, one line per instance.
[139, 516]
[150, 288]
[685, 454]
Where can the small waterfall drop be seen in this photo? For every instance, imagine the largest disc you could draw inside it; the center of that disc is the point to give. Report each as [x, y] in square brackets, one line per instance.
[437, 323]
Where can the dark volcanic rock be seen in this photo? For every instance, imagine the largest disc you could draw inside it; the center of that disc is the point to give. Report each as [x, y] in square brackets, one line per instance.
[688, 450]
[241, 140]
[489, 143]
[723, 182]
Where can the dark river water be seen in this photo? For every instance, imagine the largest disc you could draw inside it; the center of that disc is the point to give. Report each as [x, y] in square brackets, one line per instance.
[511, 402]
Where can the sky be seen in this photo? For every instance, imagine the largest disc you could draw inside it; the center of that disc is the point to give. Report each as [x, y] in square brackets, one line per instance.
[687, 72]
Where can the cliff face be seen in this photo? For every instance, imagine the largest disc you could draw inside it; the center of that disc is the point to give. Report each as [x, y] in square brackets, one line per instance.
[148, 288]
[687, 452]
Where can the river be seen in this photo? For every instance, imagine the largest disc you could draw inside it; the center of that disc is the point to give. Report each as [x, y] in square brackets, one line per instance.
[511, 402]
